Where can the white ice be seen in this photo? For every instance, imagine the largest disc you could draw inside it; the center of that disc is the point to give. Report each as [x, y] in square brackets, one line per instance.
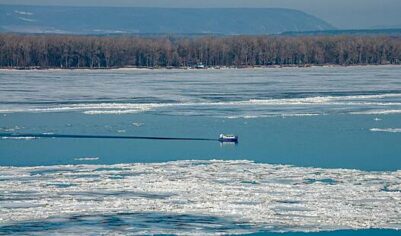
[255, 107]
[269, 197]
[387, 130]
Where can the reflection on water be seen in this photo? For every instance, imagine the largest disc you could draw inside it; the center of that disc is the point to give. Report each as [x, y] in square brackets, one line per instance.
[131, 223]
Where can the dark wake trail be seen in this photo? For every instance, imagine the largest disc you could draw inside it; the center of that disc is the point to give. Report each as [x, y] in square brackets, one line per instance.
[22, 135]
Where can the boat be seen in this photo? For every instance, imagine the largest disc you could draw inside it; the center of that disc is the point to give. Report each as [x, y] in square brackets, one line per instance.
[228, 138]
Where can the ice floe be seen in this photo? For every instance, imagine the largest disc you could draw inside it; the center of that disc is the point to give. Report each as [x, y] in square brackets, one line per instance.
[20, 138]
[26, 19]
[137, 124]
[387, 130]
[23, 13]
[252, 108]
[86, 158]
[266, 197]
[378, 112]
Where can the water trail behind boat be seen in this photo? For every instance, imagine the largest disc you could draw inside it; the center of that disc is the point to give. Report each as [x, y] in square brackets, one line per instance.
[41, 135]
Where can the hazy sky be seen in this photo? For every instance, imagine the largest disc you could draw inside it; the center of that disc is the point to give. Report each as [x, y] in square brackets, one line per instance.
[340, 13]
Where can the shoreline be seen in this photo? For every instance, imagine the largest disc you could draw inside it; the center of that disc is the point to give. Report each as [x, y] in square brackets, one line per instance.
[130, 68]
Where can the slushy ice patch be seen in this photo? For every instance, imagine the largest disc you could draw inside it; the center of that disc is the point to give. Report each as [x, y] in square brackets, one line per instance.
[242, 196]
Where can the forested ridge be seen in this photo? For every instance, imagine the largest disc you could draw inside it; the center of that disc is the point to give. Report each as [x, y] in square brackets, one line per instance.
[67, 51]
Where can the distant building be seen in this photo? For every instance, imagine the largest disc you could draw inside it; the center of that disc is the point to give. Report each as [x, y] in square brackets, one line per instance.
[200, 66]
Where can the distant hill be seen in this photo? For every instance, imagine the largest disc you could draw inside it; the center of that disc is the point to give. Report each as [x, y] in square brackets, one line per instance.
[358, 32]
[131, 20]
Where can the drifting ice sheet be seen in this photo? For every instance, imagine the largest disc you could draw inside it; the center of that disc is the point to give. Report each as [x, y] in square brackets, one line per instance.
[304, 106]
[261, 196]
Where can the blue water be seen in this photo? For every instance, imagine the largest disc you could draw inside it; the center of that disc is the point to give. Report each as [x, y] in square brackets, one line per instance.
[332, 141]
[311, 120]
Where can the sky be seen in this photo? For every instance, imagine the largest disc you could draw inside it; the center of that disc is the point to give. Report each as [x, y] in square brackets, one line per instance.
[344, 14]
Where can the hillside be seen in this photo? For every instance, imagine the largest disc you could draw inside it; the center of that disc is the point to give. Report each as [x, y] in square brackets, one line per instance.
[357, 32]
[117, 20]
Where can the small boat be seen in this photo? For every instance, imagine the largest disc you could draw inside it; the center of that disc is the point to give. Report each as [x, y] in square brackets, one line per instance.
[228, 138]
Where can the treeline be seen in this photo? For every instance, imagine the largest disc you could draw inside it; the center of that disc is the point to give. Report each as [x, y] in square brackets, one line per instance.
[62, 51]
